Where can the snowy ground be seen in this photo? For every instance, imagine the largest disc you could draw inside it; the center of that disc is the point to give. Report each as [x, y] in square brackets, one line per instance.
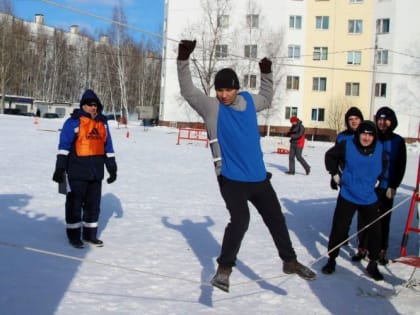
[162, 222]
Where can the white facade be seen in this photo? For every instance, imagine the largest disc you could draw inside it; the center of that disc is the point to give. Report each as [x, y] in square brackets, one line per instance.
[182, 17]
[401, 73]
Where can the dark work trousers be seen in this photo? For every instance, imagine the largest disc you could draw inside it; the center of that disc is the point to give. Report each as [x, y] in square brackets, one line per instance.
[385, 205]
[296, 152]
[342, 218]
[83, 202]
[262, 196]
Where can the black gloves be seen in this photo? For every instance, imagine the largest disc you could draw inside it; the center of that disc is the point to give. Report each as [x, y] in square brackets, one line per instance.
[112, 177]
[265, 65]
[335, 181]
[58, 175]
[60, 168]
[111, 167]
[185, 48]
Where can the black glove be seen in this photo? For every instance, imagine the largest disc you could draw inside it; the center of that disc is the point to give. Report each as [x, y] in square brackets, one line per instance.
[112, 177]
[185, 48]
[335, 181]
[111, 167]
[58, 175]
[265, 65]
[333, 184]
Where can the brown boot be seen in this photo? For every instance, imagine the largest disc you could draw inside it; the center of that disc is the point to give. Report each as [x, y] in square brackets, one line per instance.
[221, 278]
[296, 267]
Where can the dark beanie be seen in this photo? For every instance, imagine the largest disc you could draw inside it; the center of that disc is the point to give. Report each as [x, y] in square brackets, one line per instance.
[90, 97]
[226, 79]
[353, 111]
[388, 114]
[367, 126]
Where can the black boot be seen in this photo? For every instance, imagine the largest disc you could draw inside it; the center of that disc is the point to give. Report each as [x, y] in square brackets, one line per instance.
[89, 235]
[360, 255]
[382, 258]
[74, 237]
[372, 270]
[221, 278]
[329, 267]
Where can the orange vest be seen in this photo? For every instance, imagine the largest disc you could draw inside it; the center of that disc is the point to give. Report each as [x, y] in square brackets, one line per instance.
[91, 137]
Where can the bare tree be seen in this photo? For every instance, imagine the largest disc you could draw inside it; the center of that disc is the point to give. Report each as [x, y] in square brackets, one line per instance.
[210, 32]
[57, 66]
[337, 109]
[269, 43]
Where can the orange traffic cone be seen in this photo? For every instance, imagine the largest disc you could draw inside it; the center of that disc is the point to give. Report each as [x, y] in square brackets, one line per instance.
[36, 121]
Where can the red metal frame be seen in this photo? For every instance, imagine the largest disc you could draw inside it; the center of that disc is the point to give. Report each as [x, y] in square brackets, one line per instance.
[193, 134]
[408, 226]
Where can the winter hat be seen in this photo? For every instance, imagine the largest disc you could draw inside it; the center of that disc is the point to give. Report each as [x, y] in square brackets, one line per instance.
[388, 114]
[226, 79]
[294, 119]
[367, 126]
[90, 97]
[353, 111]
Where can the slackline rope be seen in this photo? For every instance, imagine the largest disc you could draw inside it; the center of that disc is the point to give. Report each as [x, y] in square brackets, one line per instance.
[155, 274]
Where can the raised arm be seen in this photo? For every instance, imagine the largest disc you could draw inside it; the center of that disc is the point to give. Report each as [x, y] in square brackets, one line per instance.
[194, 96]
[265, 95]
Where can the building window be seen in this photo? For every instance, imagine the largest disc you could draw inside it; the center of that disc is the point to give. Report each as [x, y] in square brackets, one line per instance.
[319, 84]
[292, 83]
[352, 89]
[252, 20]
[293, 51]
[356, 1]
[223, 21]
[295, 22]
[251, 51]
[221, 51]
[382, 26]
[291, 112]
[318, 114]
[322, 22]
[250, 81]
[355, 26]
[382, 57]
[380, 89]
[320, 53]
[354, 57]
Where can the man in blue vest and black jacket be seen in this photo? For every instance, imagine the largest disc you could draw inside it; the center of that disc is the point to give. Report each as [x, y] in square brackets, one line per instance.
[232, 128]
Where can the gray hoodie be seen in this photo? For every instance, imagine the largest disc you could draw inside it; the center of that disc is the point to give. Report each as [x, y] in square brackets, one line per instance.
[208, 107]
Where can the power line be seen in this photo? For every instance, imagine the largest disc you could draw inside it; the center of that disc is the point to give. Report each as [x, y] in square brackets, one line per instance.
[134, 28]
[236, 57]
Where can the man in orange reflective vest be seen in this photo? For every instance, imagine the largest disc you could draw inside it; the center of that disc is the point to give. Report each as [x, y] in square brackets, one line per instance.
[85, 147]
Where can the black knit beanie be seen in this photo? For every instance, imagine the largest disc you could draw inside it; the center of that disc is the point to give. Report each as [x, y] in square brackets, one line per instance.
[226, 79]
[353, 111]
[387, 113]
[367, 126]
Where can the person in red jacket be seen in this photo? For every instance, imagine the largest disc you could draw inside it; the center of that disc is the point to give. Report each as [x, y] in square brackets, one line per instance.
[297, 142]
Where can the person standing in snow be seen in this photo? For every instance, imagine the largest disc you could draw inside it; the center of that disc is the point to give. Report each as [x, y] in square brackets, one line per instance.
[396, 152]
[363, 165]
[352, 118]
[85, 147]
[232, 128]
[297, 142]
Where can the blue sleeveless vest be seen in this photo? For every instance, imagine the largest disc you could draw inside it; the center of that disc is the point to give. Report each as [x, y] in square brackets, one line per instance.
[239, 140]
[360, 174]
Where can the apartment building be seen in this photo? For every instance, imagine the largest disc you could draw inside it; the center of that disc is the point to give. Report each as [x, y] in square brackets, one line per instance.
[327, 55]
